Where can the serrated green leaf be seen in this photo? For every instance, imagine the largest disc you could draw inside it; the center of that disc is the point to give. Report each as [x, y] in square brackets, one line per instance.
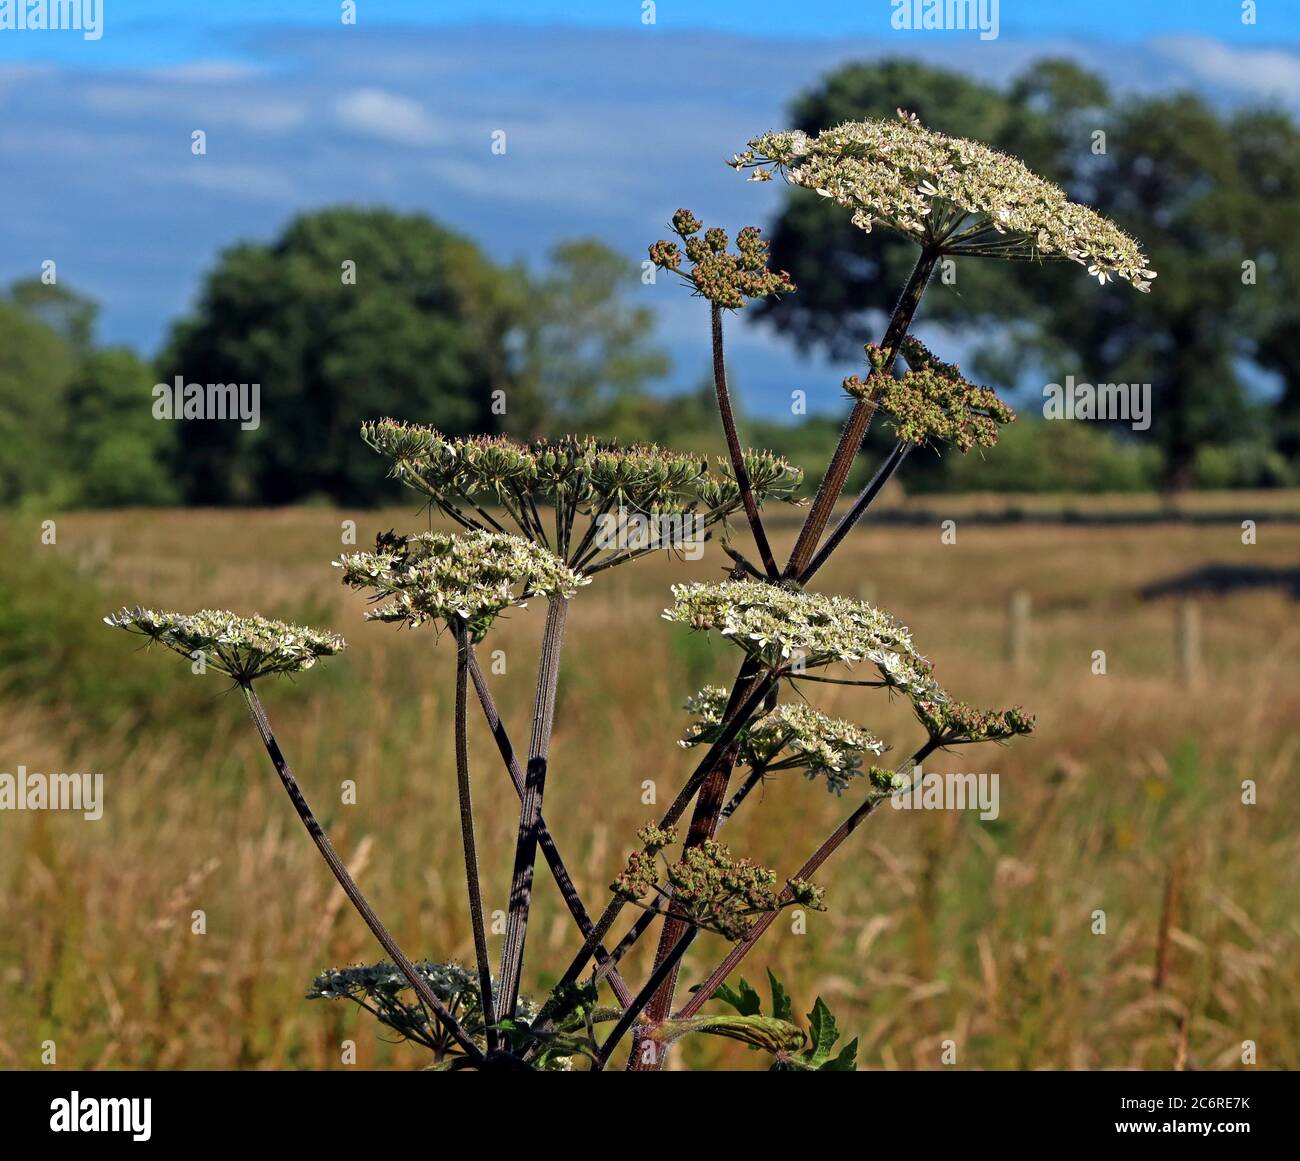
[744, 999]
[846, 1061]
[782, 1008]
[821, 1026]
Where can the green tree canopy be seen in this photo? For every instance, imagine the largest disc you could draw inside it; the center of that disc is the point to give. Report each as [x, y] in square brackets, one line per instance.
[428, 329]
[587, 353]
[36, 365]
[349, 315]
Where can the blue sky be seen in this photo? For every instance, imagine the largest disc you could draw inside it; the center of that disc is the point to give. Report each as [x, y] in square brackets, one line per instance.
[611, 124]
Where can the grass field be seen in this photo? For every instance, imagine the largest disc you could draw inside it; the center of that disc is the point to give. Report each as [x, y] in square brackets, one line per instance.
[1127, 800]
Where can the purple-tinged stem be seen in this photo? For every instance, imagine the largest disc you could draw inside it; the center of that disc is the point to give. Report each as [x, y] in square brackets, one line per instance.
[550, 852]
[350, 888]
[473, 886]
[530, 810]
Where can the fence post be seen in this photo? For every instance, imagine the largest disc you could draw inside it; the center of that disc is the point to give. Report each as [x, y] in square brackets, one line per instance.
[1189, 642]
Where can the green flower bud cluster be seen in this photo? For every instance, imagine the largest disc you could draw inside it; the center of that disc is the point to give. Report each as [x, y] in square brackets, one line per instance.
[947, 193]
[469, 578]
[772, 477]
[709, 887]
[932, 401]
[726, 279]
[886, 780]
[957, 723]
[244, 648]
[792, 736]
[781, 627]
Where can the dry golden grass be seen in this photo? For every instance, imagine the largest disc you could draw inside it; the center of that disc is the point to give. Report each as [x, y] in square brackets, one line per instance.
[941, 927]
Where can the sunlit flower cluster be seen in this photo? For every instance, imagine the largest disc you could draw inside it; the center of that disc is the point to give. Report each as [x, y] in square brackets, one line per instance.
[708, 886]
[787, 628]
[932, 400]
[792, 736]
[728, 280]
[948, 193]
[244, 648]
[464, 579]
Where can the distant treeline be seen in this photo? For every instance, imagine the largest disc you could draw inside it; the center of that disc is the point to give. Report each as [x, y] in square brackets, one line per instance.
[352, 314]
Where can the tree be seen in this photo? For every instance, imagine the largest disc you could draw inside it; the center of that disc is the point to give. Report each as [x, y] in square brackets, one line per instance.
[587, 354]
[119, 454]
[351, 314]
[36, 364]
[67, 313]
[1267, 145]
[76, 426]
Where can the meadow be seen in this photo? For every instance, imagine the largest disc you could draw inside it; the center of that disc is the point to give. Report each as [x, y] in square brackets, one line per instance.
[942, 928]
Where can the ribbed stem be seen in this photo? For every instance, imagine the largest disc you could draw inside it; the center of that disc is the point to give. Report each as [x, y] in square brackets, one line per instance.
[530, 810]
[704, 824]
[866, 497]
[350, 888]
[643, 997]
[550, 852]
[734, 448]
[754, 778]
[670, 816]
[473, 887]
[828, 493]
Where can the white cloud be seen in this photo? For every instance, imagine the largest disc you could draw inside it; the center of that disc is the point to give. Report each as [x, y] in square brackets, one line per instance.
[376, 113]
[1259, 72]
[206, 72]
[249, 183]
[251, 111]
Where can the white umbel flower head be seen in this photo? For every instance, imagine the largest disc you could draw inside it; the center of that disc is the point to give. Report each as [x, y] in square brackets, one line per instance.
[948, 193]
[786, 628]
[456, 579]
[241, 647]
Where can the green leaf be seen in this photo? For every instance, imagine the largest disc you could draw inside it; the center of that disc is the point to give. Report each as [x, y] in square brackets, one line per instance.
[846, 1061]
[745, 1000]
[781, 1006]
[821, 1025]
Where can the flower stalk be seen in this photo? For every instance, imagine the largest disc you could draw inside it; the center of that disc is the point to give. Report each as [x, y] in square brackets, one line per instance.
[530, 810]
[855, 429]
[345, 880]
[550, 852]
[734, 448]
[469, 848]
